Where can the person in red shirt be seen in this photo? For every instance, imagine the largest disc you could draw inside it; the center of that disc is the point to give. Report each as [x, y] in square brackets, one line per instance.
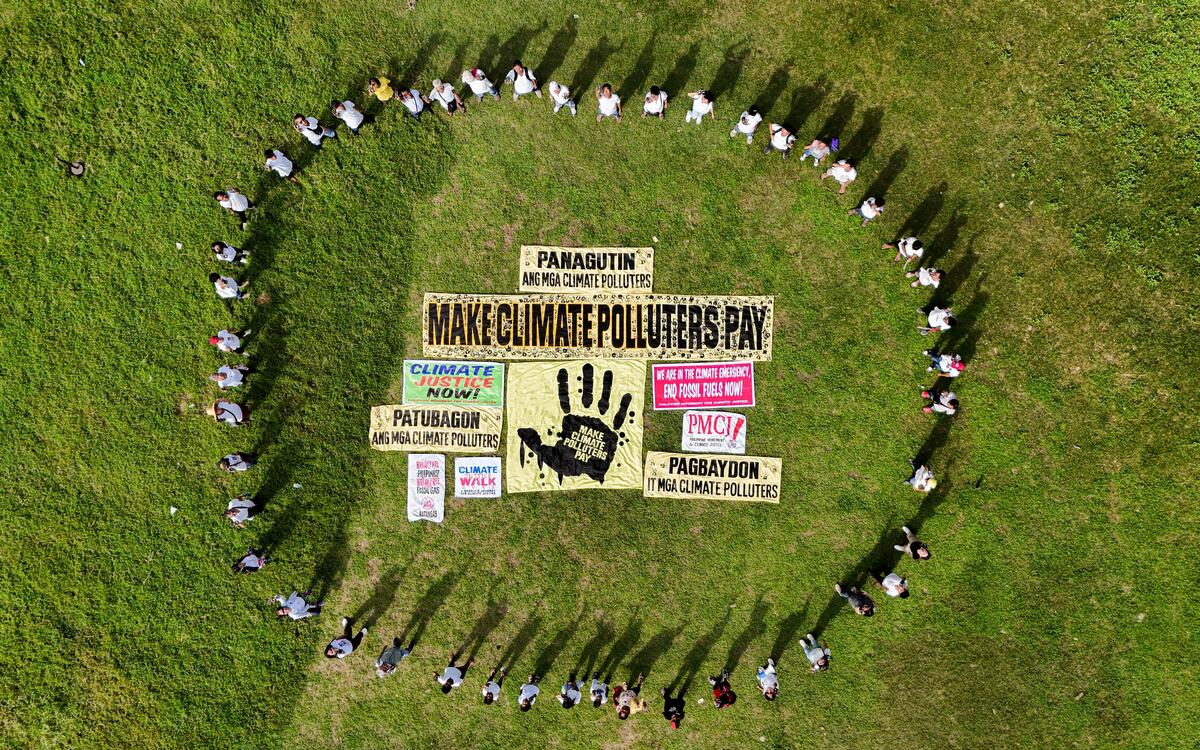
[723, 695]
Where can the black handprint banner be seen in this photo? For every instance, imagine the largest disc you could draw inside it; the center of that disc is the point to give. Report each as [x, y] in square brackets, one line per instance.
[575, 425]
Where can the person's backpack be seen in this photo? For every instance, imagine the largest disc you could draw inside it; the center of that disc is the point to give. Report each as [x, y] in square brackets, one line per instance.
[834, 145]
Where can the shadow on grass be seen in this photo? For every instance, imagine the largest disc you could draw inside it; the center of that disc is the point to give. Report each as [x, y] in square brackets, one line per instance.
[428, 605]
[384, 593]
[648, 655]
[557, 51]
[557, 644]
[694, 660]
[675, 84]
[805, 100]
[492, 617]
[887, 176]
[414, 67]
[586, 663]
[516, 647]
[730, 71]
[625, 642]
[593, 61]
[768, 96]
[633, 83]
[924, 214]
[839, 119]
[754, 628]
[788, 629]
[858, 147]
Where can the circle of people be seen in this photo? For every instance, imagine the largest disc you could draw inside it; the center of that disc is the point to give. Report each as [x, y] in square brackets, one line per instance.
[625, 697]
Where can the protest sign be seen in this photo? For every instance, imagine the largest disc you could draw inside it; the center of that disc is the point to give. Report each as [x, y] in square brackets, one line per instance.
[477, 476]
[714, 432]
[467, 383]
[426, 487]
[713, 477]
[586, 269]
[455, 429]
[708, 385]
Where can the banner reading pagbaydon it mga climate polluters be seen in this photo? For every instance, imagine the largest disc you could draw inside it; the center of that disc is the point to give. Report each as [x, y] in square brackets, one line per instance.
[567, 326]
[713, 477]
[467, 383]
[453, 429]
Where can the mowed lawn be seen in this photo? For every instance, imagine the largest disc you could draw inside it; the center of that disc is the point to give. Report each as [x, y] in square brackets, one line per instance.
[1048, 157]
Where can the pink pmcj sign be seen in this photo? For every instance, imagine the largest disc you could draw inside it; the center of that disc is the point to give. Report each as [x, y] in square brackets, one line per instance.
[704, 385]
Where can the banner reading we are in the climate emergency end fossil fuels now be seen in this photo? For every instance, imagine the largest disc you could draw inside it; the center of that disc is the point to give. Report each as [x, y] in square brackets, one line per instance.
[569, 326]
[713, 477]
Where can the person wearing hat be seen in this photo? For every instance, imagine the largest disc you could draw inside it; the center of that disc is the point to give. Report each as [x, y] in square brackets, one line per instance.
[452, 676]
[252, 562]
[843, 173]
[228, 287]
[241, 509]
[816, 653]
[227, 253]
[941, 402]
[390, 658]
[939, 319]
[445, 95]
[561, 96]
[296, 606]
[702, 105]
[915, 548]
[926, 277]
[781, 140]
[414, 103]
[608, 104]
[229, 376]
[817, 151]
[348, 113]
[655, 103]
[491, 688]
[235, 203]
[768, 681]
[529, 693]
[868, 210]
[228, 412]
[747, 124]
[236, 463]
[922, 479]
[278, 163]
[907, 249]
[479, 84]
[672, 708]
[569, 694]
[344, 645]
[229, 341]
[862, 604]
[945, 365]
[893, 585]
[381, 89]
[312, 129]
[627, 699]
[723, 695]
[523, 81]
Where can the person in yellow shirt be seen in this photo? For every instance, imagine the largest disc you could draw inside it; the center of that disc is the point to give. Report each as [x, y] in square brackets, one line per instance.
[628, 699]
[381, 88]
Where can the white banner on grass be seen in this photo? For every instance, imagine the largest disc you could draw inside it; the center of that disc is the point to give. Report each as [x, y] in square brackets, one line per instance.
[477, 476]
[426, 487]
[714, 432]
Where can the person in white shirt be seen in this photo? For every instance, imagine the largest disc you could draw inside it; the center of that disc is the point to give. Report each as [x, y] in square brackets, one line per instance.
[893, 585]
[349, 114]
[228, 412]
[413, 102]
[479, 84]
[491, 688]
[817, 655]
[940, 319]
[561, 96]
[390, 658]
[817, 150]
[229, 376]
[235, 203]
[926, 277]
[445, 95]
[241, 509]
[452, 676]
[655, 103]
[941, 402]
[747, 124]
[768, 682]
[569, 694]
[702, 104]
[869, 209]
[296, 606]
[843, 172]
[235, 463]
[523, 81]
[922, 479]
[251, 562]
[230, 254]
[529, 693]
[781, 140]
[945, 365]
[907, 249]
[598, 691]
[229, 341]
[344, 645]
[278, 163]
[312, 129]
[608, 103]
[228, 287]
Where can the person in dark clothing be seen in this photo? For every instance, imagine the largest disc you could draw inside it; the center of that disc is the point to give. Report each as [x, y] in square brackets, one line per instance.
[862, 603]
[913, 546]
[672, 708]
[723, 695]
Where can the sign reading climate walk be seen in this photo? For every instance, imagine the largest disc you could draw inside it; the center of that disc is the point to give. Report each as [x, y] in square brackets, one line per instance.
[553, 326]
[452, 429]
[713, 477]
[586, 269]
[466, 383]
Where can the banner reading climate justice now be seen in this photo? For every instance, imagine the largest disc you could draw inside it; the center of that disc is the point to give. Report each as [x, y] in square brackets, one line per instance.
[568, 326]
[586, 269]
[467, 383]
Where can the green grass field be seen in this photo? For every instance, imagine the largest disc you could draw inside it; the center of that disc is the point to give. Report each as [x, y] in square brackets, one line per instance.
[1048, 154]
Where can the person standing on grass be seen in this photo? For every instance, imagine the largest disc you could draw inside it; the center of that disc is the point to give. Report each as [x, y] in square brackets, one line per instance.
[869, 209]
[768, 681]
[280, 165]
[816, 653]
[491, 689]
[861, 603]
[782, 140]
[345, 644]
[230, 254]
[445, 95]
[907, 249]
[229, 341]
[296, 606]
[915, 548]
[747, 124]
[228, 412]
[349, 114]
[413, 103]
[608, 103]
[523, 81]
[598, 691]
[628, 700]
[236, 463]
[452, 676]
[655, 104]
[479, 84]
[228, 287]
[312, 129]
[817, 151]
[945, 365]
[529, 693]
[723, 695]
[561, 96]
[922, 479]
[702, 106]
[893, 585]
[843, 173]
[252, 562]
[381, 89]
[941, 402]
[926, 277]
[672, 708]
[229, 376]
[390, 658]
[236, 204]
[939, 319]
[241, 509]
[569, 694]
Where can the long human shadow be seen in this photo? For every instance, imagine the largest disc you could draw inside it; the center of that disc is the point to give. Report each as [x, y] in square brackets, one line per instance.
[954, 276]
[857, 576]
[628, 638]
[694, 660]
[648, 655]
[839, 119]
[557, 50]
[513, 49]
[593, 61]
[382, 596]
[428, 605]
[770, 94]
[926, 211]
[493, 615]
[730, 71]
[676, 81]
[946, 238]
[516, 647]
[805, 100]
[887, 176]
[411, 70]
[754, 628]
[858, 147]
[489, 58]
[787, 631]
[586, 663]
[963, 337]
[557, 644]
[633, 83]
[457, 64]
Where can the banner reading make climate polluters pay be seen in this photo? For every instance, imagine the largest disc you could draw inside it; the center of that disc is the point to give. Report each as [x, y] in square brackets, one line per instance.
[453, 429]
[575, 425]
[586, 269]
[568, 326]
